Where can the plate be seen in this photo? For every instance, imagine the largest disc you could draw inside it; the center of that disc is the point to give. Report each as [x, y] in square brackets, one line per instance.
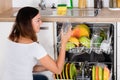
[63, 72]
[60, 76]
[56, 76]
[73, 71]
[66, 70]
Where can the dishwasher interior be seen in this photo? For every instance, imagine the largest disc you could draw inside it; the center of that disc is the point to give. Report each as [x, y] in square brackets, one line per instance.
[90, 56]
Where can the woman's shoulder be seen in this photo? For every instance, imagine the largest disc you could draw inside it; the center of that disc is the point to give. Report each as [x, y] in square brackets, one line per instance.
[38, 45]
[19, 43]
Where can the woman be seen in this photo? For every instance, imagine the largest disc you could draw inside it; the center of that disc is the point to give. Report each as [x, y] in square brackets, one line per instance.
[23, 51]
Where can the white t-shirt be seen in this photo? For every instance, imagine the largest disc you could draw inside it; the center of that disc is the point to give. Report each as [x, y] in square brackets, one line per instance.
[20, 59]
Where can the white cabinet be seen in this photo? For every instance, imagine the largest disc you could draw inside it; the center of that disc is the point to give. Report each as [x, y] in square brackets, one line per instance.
[118, 29]
[118, 57]
[118, 43]
[5, 28]
[118, 72]
[46, 37]
[118, 50]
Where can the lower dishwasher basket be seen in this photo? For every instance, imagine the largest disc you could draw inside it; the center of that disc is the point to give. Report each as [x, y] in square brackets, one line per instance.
[85, 71]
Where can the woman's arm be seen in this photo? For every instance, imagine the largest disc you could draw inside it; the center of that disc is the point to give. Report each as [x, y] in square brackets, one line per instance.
[39, 68]
[57, 66]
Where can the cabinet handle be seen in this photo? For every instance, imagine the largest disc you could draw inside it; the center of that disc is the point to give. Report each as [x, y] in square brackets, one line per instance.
[44, 28]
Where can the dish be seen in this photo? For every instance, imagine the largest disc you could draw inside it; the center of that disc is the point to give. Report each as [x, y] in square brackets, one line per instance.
[60, 76]
[63, 72]
[69, 72]
[73, 71]
[66, 70]
[56, 76]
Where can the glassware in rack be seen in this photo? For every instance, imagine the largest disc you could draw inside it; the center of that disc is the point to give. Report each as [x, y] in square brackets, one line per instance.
[66, 26]
[96, 40]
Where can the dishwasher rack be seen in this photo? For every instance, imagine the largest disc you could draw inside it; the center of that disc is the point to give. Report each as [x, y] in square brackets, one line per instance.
[85, 58]
[83, 70]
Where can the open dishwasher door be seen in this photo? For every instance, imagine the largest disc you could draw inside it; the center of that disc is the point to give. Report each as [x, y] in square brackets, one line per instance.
[92, 49]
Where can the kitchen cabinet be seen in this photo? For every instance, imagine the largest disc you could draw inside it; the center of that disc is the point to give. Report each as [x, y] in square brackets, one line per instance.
[118, 50]
[5, 28]
[118, 57]
[118, 29]
[46, 37]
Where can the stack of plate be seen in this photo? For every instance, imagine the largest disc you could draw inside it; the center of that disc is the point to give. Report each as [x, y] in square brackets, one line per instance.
[69, 72]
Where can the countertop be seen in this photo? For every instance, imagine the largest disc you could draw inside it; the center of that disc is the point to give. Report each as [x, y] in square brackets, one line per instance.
[105, 15]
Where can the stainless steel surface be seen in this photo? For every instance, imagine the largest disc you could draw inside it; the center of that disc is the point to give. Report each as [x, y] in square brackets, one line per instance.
[76, 12]
[82, 12]
[87, 12]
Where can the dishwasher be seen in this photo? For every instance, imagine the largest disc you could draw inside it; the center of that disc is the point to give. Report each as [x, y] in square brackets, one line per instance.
[94, 57]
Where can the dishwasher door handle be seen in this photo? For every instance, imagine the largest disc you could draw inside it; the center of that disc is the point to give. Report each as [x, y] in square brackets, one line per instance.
[44, 28]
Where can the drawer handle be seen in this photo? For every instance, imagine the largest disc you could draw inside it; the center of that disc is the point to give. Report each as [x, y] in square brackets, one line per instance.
[44, 28]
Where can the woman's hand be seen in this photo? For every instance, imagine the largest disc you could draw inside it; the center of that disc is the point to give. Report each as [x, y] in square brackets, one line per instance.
[65, 36]
[57, 66]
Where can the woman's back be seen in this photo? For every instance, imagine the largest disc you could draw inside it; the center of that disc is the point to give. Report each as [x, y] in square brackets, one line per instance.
[19, 60]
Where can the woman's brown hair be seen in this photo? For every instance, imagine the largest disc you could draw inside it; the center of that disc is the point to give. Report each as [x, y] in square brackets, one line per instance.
[23, 24]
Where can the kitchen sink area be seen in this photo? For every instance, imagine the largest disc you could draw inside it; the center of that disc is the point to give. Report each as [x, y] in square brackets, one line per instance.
[86, 12]
[75, 12]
